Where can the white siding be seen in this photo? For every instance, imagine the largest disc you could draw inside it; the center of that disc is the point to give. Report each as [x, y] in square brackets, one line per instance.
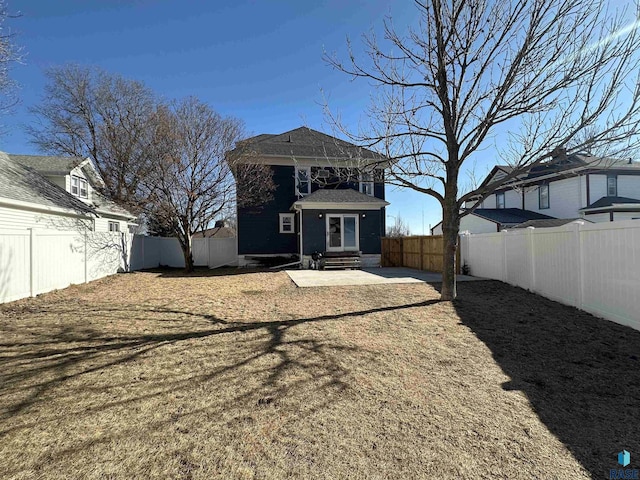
[475, 224]
[512, 199]
[597, 217]
[597, 187]
[564, 199]
[583, 191]
[16, 218]
[629, 186]
[489, 202]
[437, 230]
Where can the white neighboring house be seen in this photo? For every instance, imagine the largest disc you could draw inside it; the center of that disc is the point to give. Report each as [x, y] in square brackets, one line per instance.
[567, 188]
[52, 192]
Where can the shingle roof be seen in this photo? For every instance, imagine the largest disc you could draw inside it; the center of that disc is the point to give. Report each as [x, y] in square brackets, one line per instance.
[345, 195]
[305, 142]
[24, 184]
[509, 216]
[45, 163]
[609, 201]
[548, 223]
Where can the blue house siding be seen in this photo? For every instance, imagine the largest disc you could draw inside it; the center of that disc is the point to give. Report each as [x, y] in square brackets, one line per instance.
[259, 226]
[314, 230]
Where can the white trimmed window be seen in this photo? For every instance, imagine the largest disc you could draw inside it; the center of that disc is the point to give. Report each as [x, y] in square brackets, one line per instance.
[303, 181]
[79, 187]
[366, 184]
[286, 223]
[114, 226]
[612, 186]
[543, 196]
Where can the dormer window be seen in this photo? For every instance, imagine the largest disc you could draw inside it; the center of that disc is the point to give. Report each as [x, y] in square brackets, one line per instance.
[79, 187]
[303, 181]
[366, 184]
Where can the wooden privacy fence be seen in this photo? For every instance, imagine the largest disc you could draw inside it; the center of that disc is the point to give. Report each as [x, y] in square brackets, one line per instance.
[423, 253]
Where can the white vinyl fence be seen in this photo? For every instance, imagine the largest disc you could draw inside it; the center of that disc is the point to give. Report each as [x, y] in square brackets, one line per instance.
[153, 252]
[594, 267]
[38, 261]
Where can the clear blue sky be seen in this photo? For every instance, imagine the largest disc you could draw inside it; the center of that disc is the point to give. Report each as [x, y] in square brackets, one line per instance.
[260, 61]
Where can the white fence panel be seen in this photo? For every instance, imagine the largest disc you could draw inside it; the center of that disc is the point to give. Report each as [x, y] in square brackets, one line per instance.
[59, 259]
[222, 252]
[200, 250]
[14, 265]
[595, 267]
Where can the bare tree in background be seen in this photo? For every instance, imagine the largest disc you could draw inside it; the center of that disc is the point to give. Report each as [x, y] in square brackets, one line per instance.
[400, 228]
[527, 76]
[87, 112]
[9, 54]
[192, 180]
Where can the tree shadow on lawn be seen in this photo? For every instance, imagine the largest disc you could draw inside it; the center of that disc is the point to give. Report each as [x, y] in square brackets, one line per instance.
[580, 373]
[63, 364]
[198, 272]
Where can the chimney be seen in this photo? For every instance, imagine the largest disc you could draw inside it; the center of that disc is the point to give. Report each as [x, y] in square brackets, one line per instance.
[219, 224]
[559, 153]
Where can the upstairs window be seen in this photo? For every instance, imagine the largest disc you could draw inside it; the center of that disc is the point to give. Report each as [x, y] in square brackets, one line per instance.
[612, 186]
[500, 200]
[543, 196]
[303, 181]
[366, 184]
[114, 226]
[79, 187]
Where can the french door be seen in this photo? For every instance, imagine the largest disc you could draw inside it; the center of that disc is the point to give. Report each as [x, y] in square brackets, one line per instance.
[342, 232]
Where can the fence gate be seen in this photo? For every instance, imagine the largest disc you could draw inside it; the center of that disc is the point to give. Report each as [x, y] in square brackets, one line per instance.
[214, 252]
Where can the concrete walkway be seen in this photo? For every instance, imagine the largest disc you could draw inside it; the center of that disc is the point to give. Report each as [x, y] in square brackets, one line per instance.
[366, 276]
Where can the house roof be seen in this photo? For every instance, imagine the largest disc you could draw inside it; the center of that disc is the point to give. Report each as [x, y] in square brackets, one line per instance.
[509, 216]
[345, 198]
[306, 142]
[46, 163]
[549, 222]
[216, 232]
[610, 201]
[24, 184]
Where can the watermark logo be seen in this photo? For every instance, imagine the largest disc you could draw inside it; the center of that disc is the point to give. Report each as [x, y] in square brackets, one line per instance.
[624, 459]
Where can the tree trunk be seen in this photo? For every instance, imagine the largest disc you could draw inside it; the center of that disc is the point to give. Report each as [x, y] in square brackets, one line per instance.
[187, 253]
[450, 230]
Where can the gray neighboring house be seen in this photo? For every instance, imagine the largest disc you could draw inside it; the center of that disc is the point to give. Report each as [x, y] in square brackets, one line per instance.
[56, 192]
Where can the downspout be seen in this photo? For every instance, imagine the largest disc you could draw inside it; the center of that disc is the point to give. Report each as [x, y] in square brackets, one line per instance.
[300, 234]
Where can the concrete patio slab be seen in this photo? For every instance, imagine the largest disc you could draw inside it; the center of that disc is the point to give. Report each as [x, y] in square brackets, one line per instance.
[366, 276]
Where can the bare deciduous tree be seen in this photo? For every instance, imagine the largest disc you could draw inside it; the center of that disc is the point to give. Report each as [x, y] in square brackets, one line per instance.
[523, 76]
[192, 181]
[9, 54]
[400, 228]
[87, 112]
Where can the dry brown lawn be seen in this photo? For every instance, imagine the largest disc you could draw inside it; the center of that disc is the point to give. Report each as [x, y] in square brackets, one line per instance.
[158, 375]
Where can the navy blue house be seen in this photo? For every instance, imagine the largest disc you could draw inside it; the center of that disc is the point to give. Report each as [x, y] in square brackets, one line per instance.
[329, 198]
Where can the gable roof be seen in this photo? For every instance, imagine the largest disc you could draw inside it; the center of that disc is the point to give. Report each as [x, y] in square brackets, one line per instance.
[46, 163]
[24, 184]
[306, 142]
[508, 216]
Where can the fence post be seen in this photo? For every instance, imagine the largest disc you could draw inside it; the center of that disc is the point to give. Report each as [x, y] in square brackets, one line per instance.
[32, 262]
[579, 262]
[86, 270]
[532, 258]
[504, 256]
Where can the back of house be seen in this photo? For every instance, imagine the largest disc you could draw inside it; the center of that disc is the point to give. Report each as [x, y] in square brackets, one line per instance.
[329, 198]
